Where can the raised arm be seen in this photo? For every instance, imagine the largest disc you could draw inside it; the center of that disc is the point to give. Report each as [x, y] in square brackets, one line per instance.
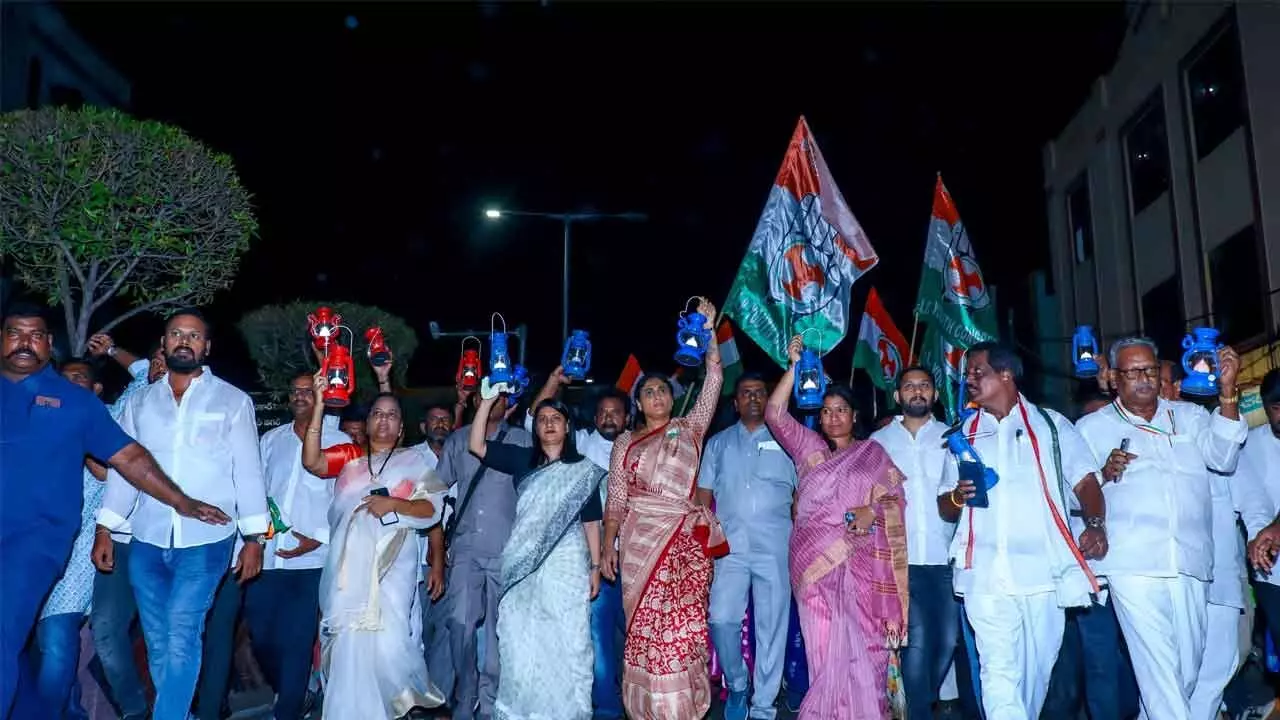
[704, 408]
[476, 437]
[798, 440]
[323, 462]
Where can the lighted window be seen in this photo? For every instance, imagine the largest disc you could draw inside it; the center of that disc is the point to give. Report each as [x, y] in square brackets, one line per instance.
[1147, 156]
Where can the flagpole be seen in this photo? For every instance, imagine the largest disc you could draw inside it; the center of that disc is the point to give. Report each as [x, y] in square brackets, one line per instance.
[915, 325]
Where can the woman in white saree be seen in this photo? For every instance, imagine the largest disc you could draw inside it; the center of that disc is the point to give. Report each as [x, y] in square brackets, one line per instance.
[372, 666]
[550, 570]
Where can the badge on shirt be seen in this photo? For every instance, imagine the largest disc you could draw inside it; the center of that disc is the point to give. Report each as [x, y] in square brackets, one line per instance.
[768, 445]
[49, 402]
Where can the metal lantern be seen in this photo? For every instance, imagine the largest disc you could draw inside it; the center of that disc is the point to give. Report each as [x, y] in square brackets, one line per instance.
[1200, 362]
[499, 359]
[379, 353]
[323, 325]
[576, 358]
[692, 337]
[340, 373]
[1084, 348]
[469, 370]
[810, 382]
[519, 383]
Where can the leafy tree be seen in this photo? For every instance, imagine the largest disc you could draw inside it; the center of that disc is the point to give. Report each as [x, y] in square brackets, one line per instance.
[279, 342]
[96, 205]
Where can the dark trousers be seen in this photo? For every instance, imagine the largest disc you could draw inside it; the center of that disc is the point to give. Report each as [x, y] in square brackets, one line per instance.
[219, 649]
[932, 631]
[111, 618]
[282, 608]
[1093, 666]
[29, 575]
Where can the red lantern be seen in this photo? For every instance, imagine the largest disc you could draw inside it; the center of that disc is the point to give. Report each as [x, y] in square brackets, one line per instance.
[323, 326]
[340, 373]
[379, 353]
[469, 368]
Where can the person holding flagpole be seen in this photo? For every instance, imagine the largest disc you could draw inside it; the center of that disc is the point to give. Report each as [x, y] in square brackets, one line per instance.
[1015, 561]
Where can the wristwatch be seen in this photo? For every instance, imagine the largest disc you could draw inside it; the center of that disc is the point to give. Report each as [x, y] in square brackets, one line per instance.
[1096, 522]
[261, 539]
[111, 351]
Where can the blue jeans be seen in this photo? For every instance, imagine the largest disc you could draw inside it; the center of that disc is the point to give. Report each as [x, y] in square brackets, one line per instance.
[608, 626]
[219, 649]
[932, 629]
[174, 588]
[111, 619]
[29, 574]
[282, 609]
[1092, 666]
[58, 637]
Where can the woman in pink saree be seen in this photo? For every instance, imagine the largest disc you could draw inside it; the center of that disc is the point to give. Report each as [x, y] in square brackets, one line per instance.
[667, 544]
[848, 556]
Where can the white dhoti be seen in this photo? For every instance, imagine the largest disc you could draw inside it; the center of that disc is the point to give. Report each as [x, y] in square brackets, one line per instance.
[1164, 621]
[1018, 638]
[1222, 658]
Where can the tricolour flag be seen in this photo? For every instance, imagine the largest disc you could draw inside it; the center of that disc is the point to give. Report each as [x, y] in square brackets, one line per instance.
[953, 297]
[805, 255]
[882, 351]
[943, 360]
[730, 360]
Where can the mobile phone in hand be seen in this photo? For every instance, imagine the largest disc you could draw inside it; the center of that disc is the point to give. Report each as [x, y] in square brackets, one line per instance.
[390, 518]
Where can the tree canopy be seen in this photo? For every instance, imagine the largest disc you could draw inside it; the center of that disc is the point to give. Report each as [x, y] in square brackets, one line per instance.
[279, 342]
[96, 205]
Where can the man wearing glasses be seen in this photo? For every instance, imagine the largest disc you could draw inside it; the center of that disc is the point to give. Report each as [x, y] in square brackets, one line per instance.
[1156, 457]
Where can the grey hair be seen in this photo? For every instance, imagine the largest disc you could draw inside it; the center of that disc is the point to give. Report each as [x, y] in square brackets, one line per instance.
[1130, 342]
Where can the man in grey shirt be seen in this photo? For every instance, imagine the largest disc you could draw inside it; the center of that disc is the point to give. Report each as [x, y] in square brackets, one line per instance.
[485, 514]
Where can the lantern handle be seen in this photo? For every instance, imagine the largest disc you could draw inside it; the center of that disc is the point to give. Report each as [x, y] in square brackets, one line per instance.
[504, 323]
[685, 311]
[479, 345]
[817, 348]
[350, 334]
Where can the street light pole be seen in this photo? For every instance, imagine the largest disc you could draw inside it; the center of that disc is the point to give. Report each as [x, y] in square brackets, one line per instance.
[567, 219]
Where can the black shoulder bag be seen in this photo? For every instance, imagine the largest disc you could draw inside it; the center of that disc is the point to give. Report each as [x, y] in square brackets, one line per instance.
[452, 527]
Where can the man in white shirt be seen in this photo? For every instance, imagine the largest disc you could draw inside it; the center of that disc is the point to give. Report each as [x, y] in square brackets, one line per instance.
[203, 433]
[915, 444]
[283, 605]
[613, 414]
[1015, 561]
[1160, 506]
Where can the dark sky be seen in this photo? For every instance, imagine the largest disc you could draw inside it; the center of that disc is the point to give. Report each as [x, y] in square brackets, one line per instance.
[373, 151]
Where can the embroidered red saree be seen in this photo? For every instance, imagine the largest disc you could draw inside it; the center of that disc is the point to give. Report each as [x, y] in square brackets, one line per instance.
[667, 542]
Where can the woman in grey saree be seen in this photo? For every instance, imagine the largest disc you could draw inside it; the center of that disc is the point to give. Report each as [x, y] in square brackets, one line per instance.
[550, 570]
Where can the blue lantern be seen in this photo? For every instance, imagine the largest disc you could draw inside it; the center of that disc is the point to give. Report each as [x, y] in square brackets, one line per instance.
[576, 358]
[1200, 362]
[499, 359]
[692, 337]
[971, 466]
[1084, 348]
[810, 382]
[519, 383]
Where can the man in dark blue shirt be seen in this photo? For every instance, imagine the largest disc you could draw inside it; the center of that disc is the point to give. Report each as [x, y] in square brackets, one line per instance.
[48, 425]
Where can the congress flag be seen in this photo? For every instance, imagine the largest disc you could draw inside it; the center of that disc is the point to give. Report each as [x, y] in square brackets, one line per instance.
[953, 299]
[807, 252]
[882, 351]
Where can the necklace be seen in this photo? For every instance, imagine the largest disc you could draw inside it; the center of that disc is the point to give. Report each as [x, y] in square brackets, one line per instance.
[369, 459]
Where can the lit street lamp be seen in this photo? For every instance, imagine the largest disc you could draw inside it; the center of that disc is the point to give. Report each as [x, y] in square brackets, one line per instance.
[567, 219]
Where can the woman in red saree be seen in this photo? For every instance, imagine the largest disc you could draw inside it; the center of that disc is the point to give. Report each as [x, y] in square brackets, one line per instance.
[667, 544]
[848, 556]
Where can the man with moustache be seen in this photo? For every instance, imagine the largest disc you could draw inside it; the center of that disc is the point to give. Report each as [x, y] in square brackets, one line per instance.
[1016, 563]
[203, 431]
[1159, 496]
[753, 483]
[613, 414]
[48, 425]
[915, 444]
[281, 607]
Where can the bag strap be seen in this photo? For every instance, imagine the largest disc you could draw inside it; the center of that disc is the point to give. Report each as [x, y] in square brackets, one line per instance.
[466, 497]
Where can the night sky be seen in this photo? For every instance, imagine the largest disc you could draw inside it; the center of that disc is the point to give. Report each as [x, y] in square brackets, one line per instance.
[374, 136]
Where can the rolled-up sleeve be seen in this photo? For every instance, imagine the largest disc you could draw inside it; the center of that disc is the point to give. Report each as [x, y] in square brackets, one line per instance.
[246, 471]
[121, 496]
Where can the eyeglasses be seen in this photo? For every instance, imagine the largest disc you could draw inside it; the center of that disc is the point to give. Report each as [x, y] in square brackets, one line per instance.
[302, 391]
[1152, 372]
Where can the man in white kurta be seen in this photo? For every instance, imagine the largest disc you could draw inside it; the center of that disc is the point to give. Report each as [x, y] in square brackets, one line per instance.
[1257, 481]
[1016, 563]
[1161, 512]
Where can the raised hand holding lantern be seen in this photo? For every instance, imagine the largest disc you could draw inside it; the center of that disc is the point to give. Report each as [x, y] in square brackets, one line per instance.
[1200, 362]
[1084, 348]
[499, 359]
[323, 324]
[810, 383]
[469, 369]
[379, 353]
[339, 374]
[576, 358]
[519, 383]
[692, 337]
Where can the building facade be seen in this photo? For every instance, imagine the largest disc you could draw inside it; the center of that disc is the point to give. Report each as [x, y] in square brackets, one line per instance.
[1163, 190]
[45, 62]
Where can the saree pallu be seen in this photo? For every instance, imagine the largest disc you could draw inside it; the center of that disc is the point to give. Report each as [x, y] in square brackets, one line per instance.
[372, 668]
[544, 611]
